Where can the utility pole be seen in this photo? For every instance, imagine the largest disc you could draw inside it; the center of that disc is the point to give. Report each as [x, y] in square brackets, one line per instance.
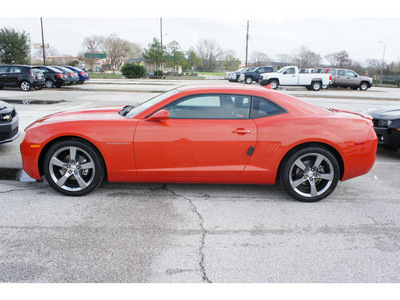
[383, 60]
[161, 44]
[44, 55]
[247, 42]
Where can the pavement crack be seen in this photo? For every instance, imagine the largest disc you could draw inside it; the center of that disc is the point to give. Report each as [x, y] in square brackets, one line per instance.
[203, 232]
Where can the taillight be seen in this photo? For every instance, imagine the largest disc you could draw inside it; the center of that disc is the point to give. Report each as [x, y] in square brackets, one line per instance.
[59, 75]
[330, 77]
[32, 75]
[72, 74]
[82, 73]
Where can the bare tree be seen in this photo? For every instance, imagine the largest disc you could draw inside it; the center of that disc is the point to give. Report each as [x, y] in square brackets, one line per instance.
[306, 58]
[116, 50]
[209, 52]
[285, 59]
[91, 45]
[258, 58]
[339, 59]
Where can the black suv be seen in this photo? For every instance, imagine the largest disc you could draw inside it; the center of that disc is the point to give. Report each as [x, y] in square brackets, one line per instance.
[24, 77]
[8, 123]
[254, 75]
[54, 77]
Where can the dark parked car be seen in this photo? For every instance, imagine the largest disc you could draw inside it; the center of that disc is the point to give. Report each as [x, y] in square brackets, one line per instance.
[8, 123]
[387, 126]
[254, 75]
[73, 76]
[24, 77]
[234, 76]
[54, 77]
[83, 75]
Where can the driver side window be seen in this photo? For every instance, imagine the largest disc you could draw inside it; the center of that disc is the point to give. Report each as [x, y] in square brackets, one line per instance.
[210, 107]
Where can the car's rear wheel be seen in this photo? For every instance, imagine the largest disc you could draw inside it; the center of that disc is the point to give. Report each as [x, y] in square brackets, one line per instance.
[49, 83]
[25, 86]
[38, 87]
[316, 85]
[310, 174]
[73, 168]
[80, 81]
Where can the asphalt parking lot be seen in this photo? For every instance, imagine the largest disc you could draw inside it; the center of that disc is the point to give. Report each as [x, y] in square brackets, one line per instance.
[195, 233]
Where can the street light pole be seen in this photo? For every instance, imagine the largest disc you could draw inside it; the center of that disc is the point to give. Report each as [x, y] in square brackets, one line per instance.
[383, 60]
[44, 55]
[161, 45]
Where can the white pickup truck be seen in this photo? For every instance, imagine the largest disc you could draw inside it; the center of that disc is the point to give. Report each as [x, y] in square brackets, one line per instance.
[290, 76]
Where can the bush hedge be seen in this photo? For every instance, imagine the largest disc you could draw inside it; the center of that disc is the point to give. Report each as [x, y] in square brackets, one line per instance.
[131, 70]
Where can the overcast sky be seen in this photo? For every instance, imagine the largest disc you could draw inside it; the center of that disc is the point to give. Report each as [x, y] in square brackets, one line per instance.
[274, 30]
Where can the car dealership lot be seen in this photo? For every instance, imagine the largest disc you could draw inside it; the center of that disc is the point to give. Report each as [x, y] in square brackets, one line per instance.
[197, 233]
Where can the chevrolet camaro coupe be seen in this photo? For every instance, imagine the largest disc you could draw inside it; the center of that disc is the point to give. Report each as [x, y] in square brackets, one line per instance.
[203, 134]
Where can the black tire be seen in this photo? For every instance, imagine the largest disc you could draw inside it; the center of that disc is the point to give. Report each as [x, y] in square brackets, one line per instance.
[274, 83]
[363, 86]
[38, 87]
[310, 174]
[75, 176]
[49, 83]
[248, 80]
[81, 81]
[25, 85]
[58, 85]
[316, 85]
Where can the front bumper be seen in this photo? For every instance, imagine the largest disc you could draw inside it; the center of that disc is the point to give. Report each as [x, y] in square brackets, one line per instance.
[388, 137]
[9, 131]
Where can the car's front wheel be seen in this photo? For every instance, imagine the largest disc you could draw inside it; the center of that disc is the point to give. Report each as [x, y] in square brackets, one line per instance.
[248, 80]
[364, 86]
[73, 167]
[310, 174]
[274, 84]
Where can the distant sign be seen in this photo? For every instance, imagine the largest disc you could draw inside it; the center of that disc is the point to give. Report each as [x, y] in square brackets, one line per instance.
[39, 45]
[95, 55]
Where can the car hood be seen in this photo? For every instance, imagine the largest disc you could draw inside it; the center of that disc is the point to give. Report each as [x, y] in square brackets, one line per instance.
[5, 107]
[385, 113]
[93, 114]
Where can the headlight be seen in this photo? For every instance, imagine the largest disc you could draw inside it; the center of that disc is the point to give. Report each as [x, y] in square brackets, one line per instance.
[382, 123]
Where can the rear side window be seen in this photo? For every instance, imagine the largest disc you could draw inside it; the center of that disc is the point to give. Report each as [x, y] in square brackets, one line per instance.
[211, 107]
[3, 69]
[341, 72]
[15, 70]
[264, 108]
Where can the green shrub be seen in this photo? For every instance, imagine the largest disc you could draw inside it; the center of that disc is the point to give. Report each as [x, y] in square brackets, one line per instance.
[158, 73]
[131, 70]
[397, 82]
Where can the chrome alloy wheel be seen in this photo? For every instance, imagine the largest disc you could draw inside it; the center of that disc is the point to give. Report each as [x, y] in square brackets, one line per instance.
[311, 175]
[72, 168]
[25, 86]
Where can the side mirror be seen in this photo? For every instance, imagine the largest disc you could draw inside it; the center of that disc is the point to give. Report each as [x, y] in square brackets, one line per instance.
[158, 116]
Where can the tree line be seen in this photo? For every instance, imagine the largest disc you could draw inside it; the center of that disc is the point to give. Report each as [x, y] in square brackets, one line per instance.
[207, 55]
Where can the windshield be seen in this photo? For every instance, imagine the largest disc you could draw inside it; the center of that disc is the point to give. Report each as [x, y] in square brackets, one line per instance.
[280, 70]
[134, 111]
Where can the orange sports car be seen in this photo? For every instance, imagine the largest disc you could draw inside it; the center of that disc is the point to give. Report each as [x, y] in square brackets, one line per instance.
[203, 134]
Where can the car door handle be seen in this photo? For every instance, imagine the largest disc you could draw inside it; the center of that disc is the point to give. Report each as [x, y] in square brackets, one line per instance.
[241, 131]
